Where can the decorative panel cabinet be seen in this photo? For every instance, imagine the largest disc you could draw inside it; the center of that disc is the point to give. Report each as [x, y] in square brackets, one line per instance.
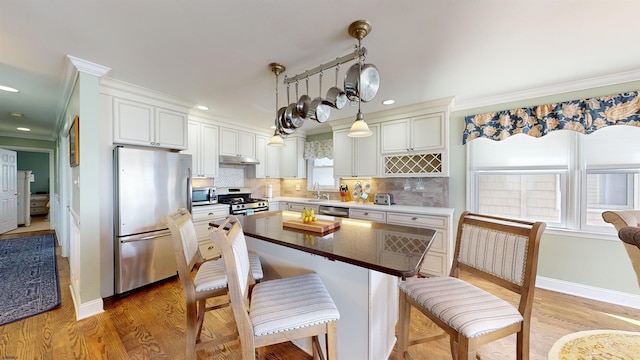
[203, 147]
[138, 123]
[438, 260]
[416, 146]
[293, 164]
[356, 157]
[235, 142]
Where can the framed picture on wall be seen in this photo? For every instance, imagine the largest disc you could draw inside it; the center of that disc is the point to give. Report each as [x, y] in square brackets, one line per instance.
[74, 142]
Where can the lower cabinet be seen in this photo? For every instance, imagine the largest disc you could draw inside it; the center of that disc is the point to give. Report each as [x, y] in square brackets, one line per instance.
[440, 256]
[299, 207]
[202, 216]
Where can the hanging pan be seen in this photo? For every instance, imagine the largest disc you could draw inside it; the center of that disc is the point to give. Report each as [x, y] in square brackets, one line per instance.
[364, 88]
[304, 101]
[336, 97]
[319, 111]
[291, 118]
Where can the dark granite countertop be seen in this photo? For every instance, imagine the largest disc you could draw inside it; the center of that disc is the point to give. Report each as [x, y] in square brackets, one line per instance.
[392, 249]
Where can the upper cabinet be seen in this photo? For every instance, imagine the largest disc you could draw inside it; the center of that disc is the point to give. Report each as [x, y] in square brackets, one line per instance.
[203, 147]
[416, 146]
[421, 133]
[356, 157]
[137, 123]
[293, 164]
[234, 142]
[269, 157]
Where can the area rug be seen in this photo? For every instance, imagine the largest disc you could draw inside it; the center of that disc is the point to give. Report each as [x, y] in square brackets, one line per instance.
[29, 282]
[597, 344]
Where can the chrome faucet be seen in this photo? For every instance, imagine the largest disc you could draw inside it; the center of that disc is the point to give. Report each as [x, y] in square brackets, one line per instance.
[316, 186]
[327, 196]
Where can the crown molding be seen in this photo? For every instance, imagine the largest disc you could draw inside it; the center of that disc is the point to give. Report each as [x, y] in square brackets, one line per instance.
[72, 68]
[595, 82]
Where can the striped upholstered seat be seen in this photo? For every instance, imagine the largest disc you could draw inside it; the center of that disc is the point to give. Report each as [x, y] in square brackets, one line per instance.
[466, 308]
[502, 251]
[277, 310]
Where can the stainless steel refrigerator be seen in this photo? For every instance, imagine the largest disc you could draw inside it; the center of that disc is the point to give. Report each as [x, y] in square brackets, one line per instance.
[148, 185]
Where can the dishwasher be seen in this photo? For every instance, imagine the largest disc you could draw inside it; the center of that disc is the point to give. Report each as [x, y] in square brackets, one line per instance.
[333, 211]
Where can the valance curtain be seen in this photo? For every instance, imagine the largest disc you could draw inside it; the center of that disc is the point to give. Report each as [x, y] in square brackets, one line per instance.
[584, 116]
[318, 149]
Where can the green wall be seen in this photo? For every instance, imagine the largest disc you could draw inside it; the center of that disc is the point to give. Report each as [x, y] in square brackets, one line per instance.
[38, 163]
[587, 259]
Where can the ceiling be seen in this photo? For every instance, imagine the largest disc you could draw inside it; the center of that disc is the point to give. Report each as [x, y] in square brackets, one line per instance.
[216, 53]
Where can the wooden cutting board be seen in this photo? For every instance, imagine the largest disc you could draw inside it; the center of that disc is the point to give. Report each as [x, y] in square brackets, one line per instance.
[319, 226]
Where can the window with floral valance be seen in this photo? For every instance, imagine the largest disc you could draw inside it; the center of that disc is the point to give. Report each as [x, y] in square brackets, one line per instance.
[584, 116]
[318, 149]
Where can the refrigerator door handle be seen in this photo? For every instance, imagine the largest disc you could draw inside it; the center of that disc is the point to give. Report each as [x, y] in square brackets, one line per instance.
[130, 239]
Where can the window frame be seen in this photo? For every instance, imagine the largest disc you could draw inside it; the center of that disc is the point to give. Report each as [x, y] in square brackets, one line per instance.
[311, 180]
[574, 195]
[564, 185]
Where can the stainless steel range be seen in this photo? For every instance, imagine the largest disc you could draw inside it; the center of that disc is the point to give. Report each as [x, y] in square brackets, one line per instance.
[240, 201]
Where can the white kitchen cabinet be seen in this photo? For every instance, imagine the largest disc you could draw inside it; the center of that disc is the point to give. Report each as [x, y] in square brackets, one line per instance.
[298, 207]
[438, 260]
[355, 157]
[137, 123]
[235, 142]
[416, 146]
[293, 164]
[274, 205]
[420, 133]
[202, 216]
[203, 147]
[371, 215]
[269, 157]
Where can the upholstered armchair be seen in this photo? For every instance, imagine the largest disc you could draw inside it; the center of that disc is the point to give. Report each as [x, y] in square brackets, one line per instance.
[627, 223]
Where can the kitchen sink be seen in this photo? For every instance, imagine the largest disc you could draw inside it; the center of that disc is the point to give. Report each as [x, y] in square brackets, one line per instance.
[316, 200]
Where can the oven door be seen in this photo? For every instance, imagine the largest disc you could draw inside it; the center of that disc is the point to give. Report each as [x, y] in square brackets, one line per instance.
[241, 212]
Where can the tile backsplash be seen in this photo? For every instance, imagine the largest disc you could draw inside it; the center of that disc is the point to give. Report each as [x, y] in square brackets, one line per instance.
[432, 191]
[230, 176]
[428, 191]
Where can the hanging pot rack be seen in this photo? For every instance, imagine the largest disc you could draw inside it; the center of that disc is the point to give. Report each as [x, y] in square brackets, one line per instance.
[357, 53]
[358, 30]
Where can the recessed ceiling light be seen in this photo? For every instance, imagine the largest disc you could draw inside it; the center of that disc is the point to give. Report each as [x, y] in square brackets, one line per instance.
[202, 107]
[16, 114]
[8, 88]
[23, 129]
[388, 102]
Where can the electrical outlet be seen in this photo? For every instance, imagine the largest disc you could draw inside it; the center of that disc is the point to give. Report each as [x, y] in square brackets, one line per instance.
[297, 187]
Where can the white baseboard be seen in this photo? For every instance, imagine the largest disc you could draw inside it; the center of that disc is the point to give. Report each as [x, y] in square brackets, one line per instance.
[88, 309]
[589, 292]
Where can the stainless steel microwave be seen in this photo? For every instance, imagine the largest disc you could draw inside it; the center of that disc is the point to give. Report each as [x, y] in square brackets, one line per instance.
[204, 195]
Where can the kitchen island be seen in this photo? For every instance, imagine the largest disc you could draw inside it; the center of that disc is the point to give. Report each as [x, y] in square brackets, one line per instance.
[360, 263]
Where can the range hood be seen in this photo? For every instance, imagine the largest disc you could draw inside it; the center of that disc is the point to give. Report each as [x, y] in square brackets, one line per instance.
[238, 160]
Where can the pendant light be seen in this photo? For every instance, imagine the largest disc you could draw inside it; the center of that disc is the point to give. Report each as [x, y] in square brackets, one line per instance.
[276, 140]
[359, 30]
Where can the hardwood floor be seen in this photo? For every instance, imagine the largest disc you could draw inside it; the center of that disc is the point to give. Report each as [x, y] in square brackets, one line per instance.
[149, 324]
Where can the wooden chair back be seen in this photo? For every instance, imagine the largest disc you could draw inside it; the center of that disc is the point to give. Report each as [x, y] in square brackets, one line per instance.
[230, 238]
[502, 251]
[186, 249]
